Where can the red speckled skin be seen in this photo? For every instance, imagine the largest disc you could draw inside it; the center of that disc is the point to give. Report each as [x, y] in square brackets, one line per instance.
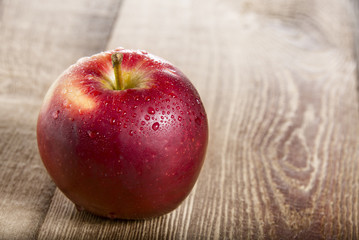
[130, 154]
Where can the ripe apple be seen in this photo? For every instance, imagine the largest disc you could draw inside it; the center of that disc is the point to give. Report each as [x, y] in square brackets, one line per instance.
[123, 134]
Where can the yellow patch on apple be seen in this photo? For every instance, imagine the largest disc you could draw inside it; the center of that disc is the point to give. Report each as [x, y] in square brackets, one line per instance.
[78, 98]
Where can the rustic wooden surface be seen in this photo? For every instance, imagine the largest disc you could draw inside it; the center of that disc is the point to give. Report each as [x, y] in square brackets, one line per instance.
[279, 82]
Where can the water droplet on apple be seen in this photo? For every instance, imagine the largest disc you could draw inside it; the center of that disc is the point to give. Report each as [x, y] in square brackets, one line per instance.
[79, 208]
[155, 126]
[66, 103]
[113, 121]
[198, 120]
[131, 133]
[91, 134]
[134, 115]
[147, 99]
[55, 114]
[147, 117]
[197, 101]
[150, 110]
[172, 116]
[178, 107]
[179, 118]
[172, 95]
[125, 125]
[111, 215]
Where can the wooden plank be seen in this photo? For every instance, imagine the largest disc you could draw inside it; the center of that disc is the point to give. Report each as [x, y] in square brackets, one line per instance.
[355, 14]
[38, 40]
[278, 82]
[26, 189]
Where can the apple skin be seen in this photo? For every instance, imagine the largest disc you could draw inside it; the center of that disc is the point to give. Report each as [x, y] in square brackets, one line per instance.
[129, 154]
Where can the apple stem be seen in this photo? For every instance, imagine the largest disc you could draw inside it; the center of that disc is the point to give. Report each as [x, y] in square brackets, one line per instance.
[116, 64]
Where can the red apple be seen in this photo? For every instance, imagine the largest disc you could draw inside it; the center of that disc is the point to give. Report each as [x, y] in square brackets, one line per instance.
[123, 134]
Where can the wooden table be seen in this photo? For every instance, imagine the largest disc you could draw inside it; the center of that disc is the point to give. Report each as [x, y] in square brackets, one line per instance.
[279, 82]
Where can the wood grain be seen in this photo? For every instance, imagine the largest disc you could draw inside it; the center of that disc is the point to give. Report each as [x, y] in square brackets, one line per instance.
[278, 80]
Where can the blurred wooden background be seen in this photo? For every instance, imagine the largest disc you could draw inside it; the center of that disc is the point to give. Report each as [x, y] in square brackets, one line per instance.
[279, 82]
